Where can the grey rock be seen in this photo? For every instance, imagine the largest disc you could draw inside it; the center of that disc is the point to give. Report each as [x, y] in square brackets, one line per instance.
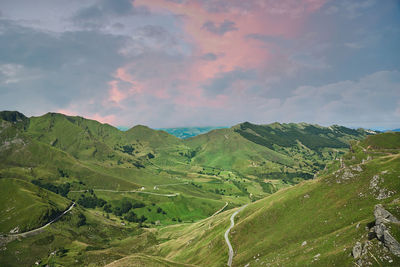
[391, 243]
[383, 217]
[357, 250]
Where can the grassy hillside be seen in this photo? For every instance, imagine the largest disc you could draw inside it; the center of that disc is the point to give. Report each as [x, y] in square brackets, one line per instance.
[381, 142]
[145, 260]
[24, 206]
[289, 152]
[147, 197]
[315, 223]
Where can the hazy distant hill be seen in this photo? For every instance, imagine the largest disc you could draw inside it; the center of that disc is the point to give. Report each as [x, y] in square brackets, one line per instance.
[187, 132]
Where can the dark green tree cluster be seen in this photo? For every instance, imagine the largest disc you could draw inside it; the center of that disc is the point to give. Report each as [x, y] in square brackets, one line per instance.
[128, 149]
[61, 189]
[91, 201]
[220, 191]
[122, 207]
[81, 220]
[132, 217]
[63, 173]
[160, 210]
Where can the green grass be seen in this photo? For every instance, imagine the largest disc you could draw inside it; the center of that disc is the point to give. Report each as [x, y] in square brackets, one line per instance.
[245, 163]
[386, 141]
[27, 206]
[145, 260]
[324, 212]
[290, 152]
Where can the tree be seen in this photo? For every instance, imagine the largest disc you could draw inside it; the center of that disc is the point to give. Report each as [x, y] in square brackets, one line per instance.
[81, 220]
[107, 208]
[131, 217]
[126, 206]
[117, 211]
[142, 219]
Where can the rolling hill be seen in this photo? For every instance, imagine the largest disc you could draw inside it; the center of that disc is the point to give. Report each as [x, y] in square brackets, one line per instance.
[290, 152]
[328, 221]
[144, 196]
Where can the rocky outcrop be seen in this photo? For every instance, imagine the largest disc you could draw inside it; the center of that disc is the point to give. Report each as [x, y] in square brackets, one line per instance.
[378, 191]
[383, 218]
[357, 250]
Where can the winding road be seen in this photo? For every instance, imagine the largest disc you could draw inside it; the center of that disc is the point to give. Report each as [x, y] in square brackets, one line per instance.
[25, 234]
[128, 191]
[227, 234]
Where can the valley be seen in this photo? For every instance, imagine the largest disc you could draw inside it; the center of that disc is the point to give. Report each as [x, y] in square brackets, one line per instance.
[145, 197]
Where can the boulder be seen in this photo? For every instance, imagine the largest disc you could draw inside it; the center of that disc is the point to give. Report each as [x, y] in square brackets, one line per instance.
[391, 243]
[357, 249]
[383, 217]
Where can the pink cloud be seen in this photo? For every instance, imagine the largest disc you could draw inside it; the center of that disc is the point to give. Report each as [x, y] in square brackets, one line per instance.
[233, 49]
[123, 75]
[275, 18]
[123, 86]
[115, 94]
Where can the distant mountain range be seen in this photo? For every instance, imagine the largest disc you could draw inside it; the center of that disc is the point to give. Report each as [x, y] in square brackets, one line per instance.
[187, 132]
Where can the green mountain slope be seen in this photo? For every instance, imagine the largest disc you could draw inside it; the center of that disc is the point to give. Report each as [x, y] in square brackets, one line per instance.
[147, 197]
[292, 152]
[28, 157]
[24, 206]
[315, 223]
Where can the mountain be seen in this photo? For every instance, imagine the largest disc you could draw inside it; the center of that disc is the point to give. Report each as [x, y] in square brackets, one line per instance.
[31, 208]
[289, 152]
[144, 196]
[333, 220]
[187, 132]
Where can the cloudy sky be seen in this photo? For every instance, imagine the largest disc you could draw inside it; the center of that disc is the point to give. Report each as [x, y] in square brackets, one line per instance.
[170, 63]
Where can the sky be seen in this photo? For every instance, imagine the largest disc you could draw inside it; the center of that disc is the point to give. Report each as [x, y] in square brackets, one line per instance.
[172, 63]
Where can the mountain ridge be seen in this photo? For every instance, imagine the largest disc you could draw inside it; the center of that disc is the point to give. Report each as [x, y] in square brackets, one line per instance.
[136, 187]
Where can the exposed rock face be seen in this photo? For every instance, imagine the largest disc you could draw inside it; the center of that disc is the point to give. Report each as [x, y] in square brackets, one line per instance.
[379, 192]
[357, 249]
[383, 217]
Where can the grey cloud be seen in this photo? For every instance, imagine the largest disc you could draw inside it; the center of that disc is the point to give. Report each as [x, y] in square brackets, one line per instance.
[153, 38]
[53, 51]
[226, 80]
[177, 1]
[217, 6]
[118, 26]
[369, 102]
[209, 57]
[99, 14]
[351, 9]
[221, 29]
[44, 71]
